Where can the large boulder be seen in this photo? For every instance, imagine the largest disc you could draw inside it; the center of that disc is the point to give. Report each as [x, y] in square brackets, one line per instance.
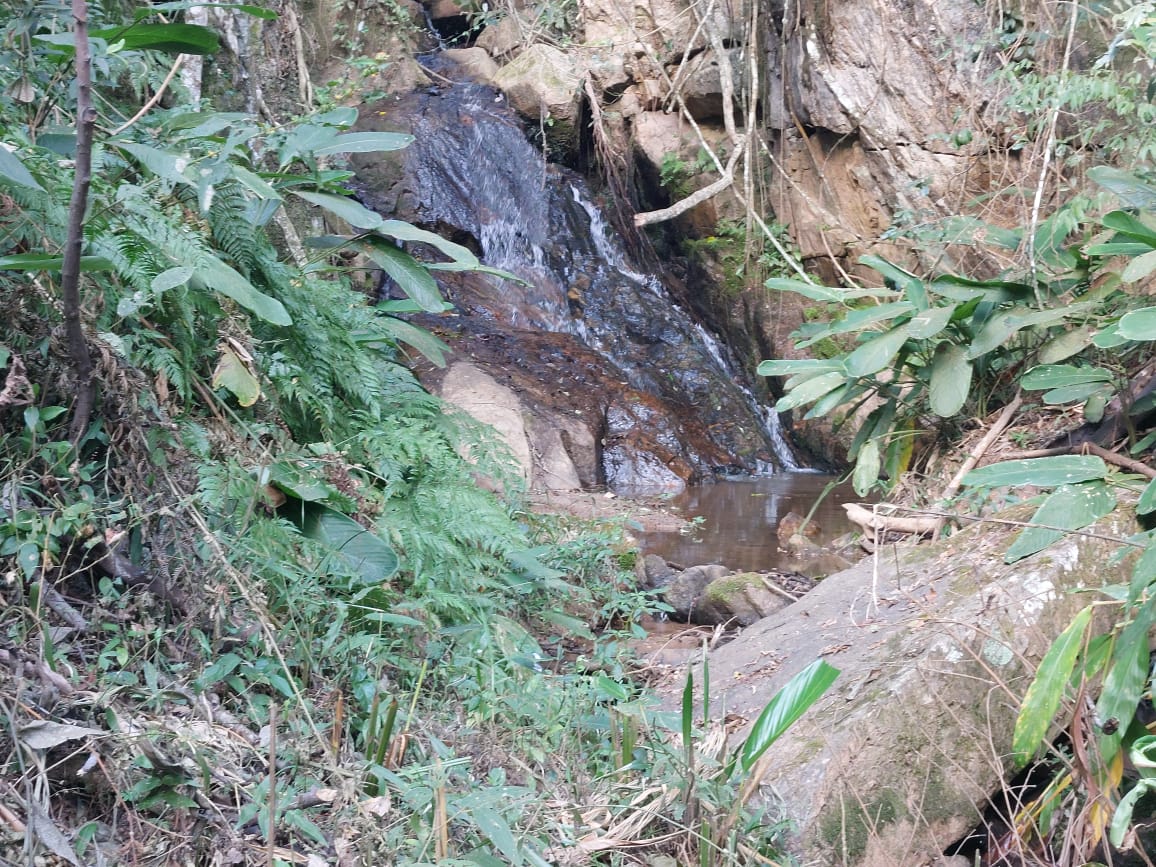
[542, 84]
[935, 646]
[741, 599]
[664, 28]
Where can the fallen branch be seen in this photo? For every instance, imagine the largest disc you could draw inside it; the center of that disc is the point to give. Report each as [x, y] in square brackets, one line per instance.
[695, 199]
[875, 524]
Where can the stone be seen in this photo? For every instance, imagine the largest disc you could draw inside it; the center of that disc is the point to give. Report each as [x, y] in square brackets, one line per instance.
[791, 524]
[501, 39]
[542, 82]
[743, 599]
[898, 759]
[474, 391]
[700, 83]
[686, 588]
[475, 63]
[668, 27]
[656, 571]
[439, 9]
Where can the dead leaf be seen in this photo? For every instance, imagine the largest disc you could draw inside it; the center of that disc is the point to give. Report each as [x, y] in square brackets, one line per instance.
[45, 830]
[45, 734]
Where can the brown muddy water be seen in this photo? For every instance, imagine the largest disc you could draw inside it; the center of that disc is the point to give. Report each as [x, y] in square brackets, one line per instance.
[739, 520]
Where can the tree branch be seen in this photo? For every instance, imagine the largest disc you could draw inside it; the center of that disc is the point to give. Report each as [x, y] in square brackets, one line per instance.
[70, 268]
[695, 198]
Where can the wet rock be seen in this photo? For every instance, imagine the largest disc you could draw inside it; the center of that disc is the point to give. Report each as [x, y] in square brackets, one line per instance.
[542, 82]
[819, 563]
[686, 589]
[657, 572]
[742, 599]
[502, 38]
[475, 63]
[899, 757]
[792, 524]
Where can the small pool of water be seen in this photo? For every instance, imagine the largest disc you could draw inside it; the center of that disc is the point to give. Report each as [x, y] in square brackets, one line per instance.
[740, 519]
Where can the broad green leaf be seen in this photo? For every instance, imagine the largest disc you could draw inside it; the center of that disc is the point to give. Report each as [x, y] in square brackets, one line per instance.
[305, 480]
[818, 292]
[366, 142]
[1122, 817]
[877, 353]
[420, 339]
[354, 213]
[789, 366]
[218, 276]
[1048, 376]
[1118, 248]
[414, 280]
[497, 830]
[46, 262]
[1130, 225]
[833, 399]
[1095, 405]
[171, 279]
[857, 320]
[1073, 393]
[787, 705]
[1128, 187]
[1065, 345]
[1126, 680]
[1139, 268]
[165, 164]
[12, 170]
[965, 289]
[402, 231]
[1001, 327]
[234, 375]
[1143, 573]
[1069, 507]
[611, 688]
[950, 380]
[867, 465]
[1109, 337]
[170, 38]
[1139, 324]
[913, 288]
[1147, 502]
[1047, 689]
[1041, 472]
[810, 390]
[361, 549]
[928, 323]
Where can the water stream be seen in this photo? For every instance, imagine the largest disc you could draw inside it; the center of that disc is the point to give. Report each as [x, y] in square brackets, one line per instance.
[738, 520]
[475, 171]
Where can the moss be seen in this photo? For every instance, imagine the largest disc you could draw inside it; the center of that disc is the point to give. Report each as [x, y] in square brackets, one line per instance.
[847, 824]
[722, 589]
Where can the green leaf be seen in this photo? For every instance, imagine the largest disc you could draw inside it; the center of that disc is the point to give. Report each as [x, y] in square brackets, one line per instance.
[354, 213]
[1071, 393]
[164, 164]
[1128, 187]
[1139, 268]
[1001, 327]
[420, 339]
[218, 276]
[810, 390]
[877, 353]
[1122, 817]
[1047, 690]
[497, 830]
[1147, 502]
[1048, 376]
[857, 320]
[789, 366]
[171, 279]
[950, 380]
[1143, 573]
[928, 323]
[414, 280]
[1041, 472]
[12, 170]
[403, 231]
[170, 38]
[364, 551]
[966, 289]
[234, 375]
[818, 292]
[1130, 225]
[611, 688]
[1126, 680]
[366, 142]
[46, 262]
[867, 466]
[1139, 324]
[787, 705]
[1066, 345]
[1069, 507]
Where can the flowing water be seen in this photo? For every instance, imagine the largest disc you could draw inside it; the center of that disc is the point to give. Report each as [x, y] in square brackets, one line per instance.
[739, 519]
[474, 170]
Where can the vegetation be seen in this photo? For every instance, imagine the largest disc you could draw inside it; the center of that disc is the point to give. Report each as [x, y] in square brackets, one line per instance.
[1069, 324]
[255, 601]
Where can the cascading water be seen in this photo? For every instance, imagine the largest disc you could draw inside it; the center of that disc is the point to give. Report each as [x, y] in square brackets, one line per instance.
[472, 171]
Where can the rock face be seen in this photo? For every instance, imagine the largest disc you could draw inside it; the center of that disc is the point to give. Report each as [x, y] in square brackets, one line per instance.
[894, 763]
